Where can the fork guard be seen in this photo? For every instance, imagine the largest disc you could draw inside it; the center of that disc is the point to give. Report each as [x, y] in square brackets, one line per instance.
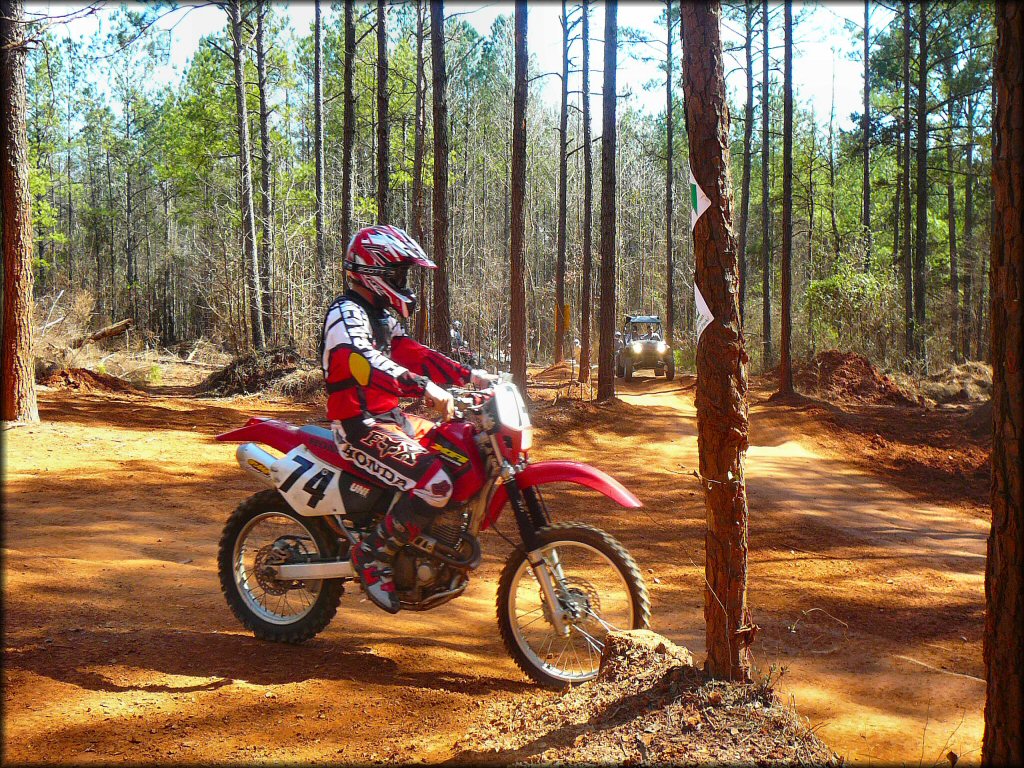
[546, 472]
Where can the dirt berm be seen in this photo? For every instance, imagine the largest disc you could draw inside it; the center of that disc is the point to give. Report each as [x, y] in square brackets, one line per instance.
[649, 705]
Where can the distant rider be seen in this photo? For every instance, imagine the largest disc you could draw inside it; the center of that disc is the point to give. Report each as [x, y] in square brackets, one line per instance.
[368, 363]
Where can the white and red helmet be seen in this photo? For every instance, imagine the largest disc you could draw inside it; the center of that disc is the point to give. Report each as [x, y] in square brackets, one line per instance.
[378, 258]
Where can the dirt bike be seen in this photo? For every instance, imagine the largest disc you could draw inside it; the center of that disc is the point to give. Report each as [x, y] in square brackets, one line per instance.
[284, 553]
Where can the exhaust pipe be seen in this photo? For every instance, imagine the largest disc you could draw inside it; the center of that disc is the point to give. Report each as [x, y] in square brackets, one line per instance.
[256, 462]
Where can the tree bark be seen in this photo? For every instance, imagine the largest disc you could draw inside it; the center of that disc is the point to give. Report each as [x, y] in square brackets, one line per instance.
[441, 313]
[115, 329]
[266, 253]
[866, 130]
[954, 272]
[606, 310]
[588, 204]
[383, 136]
[786, 361]
[908, 266]
[921, 250]
[766, 244]
[245, 180]
[517, 235]
[563, 175]
[17, 367]
[721, 358]
[1003, 742]
[417, 165]
[748, 132]
[348, 136]
[318, 144]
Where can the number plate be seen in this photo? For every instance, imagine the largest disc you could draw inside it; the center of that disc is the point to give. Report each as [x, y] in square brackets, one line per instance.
[308, 484]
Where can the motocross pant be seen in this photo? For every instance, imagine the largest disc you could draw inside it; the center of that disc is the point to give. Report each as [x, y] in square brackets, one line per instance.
[386, 448]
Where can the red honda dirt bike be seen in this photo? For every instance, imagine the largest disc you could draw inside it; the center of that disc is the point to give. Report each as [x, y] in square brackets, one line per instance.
[284, 553]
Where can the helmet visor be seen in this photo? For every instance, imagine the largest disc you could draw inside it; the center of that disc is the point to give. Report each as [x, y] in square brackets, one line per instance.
[398, 276]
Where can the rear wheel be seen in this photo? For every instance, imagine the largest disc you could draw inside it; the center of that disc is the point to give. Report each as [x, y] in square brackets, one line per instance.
[599, 589]
[262, 532]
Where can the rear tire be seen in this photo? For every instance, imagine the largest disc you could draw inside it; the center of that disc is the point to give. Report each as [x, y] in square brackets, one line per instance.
[330, 590]
[552, 535]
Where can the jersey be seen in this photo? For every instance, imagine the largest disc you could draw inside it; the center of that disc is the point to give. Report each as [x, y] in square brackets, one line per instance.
[369, 361]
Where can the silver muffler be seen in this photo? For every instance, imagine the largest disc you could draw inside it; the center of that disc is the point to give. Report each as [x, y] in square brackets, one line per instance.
[256, 462]
[339, 569]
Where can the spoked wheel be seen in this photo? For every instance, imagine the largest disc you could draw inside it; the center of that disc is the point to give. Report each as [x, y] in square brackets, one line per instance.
[598, 589]
[263, 532]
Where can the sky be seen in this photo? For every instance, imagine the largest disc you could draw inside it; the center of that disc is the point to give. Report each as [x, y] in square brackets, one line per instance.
[823, 63]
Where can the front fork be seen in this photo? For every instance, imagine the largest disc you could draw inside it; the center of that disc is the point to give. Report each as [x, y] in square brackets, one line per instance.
[531, 516]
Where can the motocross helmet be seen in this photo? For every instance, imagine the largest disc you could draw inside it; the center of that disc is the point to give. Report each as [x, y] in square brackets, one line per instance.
[378, 258]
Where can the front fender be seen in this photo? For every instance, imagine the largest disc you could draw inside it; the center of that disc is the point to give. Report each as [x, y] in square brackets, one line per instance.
[545, 472]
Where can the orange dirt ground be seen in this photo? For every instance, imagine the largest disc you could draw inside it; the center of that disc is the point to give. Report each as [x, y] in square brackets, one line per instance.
[867, 585]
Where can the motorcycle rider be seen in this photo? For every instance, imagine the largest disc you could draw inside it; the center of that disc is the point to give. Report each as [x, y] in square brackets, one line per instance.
[368, 363]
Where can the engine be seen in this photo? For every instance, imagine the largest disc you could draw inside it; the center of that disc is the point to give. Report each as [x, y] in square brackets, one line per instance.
[424, 582]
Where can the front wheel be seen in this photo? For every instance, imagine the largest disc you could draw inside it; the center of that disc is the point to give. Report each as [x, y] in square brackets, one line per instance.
[262, 532]
[598, 588]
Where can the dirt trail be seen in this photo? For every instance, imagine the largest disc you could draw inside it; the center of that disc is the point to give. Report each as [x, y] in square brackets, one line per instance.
[119, 646]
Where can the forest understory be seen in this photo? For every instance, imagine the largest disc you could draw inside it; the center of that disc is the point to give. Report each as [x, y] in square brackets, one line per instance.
[867, 531]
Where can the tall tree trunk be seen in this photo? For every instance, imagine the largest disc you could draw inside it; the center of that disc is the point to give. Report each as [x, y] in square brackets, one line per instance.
[606, 311]
[865, 218]
[748, 132]
[563, 174]
[383, 136]
[954, 272]
[517, 245]
[721, 358]
[908, 265]
[766, 243]
[670, 300]
[266, 253]
[921, 250]
[348, 136]
[588, 205]
[17, 368]
[786, 365]
[1003, 743]
[967, 308]
[245, 179]
[442, 315]
[318, 146]
[417, 165]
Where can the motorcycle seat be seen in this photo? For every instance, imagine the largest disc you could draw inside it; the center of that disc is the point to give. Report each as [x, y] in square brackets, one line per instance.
[322, 432]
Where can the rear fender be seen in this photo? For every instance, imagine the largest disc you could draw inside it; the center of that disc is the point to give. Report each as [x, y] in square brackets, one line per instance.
[284, 437]
[546, 472]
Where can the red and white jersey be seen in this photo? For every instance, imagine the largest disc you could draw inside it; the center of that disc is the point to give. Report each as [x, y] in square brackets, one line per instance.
[369, 362]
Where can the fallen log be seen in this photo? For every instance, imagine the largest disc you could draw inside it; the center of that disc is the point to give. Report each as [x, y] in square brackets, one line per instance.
[104, 333]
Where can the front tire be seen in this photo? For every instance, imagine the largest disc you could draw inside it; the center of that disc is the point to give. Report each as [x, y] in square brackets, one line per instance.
[610, 598]
[315, 602]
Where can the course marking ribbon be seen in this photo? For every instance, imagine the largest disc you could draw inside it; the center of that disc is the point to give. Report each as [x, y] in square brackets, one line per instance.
[704, 316]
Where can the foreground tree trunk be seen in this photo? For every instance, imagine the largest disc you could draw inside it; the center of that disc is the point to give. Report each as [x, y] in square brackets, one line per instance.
[245, 180]
[383, 138]
[517, 246]
[606, 342]
[588, 204]
[721, 358]
[786, 342]
[1003, 742]
[563, 173]
[16, 362]
[442, 340]
[318, 145]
